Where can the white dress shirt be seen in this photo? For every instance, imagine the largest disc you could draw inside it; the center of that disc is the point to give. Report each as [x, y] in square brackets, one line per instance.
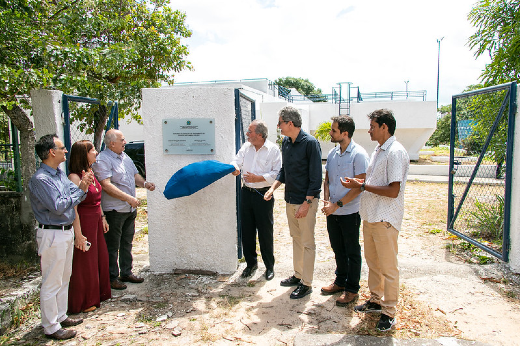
[265, 161]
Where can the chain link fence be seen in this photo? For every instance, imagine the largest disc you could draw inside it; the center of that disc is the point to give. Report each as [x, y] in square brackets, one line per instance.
[478, 162]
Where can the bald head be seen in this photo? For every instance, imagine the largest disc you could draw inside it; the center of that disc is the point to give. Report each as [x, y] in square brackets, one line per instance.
[115, 141]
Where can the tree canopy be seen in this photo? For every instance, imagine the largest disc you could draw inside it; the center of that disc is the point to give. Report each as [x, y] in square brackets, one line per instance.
[497, 24]
[104, 49]
[304, 87]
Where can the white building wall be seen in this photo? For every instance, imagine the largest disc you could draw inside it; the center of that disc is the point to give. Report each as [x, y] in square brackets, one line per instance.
[197, 232]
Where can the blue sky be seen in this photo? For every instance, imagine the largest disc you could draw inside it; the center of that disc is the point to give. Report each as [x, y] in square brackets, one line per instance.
[377, 45]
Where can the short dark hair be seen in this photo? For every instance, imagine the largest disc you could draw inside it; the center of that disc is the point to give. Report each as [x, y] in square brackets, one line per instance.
[289, 113]
[44, 144]
[345, 123]
[78, 160]
[384, 116]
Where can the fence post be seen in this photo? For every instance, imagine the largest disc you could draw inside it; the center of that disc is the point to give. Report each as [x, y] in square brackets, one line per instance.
[47, 114]
[16, 151]
[514, 251]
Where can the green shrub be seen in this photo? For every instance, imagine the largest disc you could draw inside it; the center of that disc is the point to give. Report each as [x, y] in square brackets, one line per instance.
[488, 219]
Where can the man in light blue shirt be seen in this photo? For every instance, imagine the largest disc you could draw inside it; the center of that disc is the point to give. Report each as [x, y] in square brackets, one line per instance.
[118, 177]
[53, 201]
[341, 206]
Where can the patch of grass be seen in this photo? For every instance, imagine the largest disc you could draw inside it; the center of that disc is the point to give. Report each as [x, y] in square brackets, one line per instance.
[242, 260]
[435, 231]
[227, 301]
[16, 270]
[484, 259]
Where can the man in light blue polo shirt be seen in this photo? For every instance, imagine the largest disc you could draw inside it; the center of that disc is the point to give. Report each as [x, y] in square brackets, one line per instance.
[341, 206]
[118, 176]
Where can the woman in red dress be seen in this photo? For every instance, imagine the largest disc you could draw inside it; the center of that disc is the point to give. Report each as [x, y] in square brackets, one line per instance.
[90, 279]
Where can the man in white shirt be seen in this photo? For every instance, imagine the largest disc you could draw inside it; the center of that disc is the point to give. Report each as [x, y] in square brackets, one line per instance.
[260, 161]
[382, 210]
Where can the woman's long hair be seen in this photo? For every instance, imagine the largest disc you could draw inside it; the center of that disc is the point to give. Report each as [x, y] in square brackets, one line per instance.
[78, 160]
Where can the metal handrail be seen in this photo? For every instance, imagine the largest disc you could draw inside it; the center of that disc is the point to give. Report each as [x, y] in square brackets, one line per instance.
[392, 95]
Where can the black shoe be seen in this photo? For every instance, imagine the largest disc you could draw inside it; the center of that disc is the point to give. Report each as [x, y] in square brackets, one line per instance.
[301, 291]
[385, 323]
[132, 278]
[368, 307]
[117, 285]
[269, 274]
[249, 271]
[291, 281]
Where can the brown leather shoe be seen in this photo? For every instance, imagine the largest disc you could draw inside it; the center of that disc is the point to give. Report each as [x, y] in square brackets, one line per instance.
[331, 289]
[132, 278]
[70, 322]
[346, 298]
[62, 334]
[117, 285]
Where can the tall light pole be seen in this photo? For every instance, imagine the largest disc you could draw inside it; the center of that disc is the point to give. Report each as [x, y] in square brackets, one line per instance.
[438, 68]
[406, 83]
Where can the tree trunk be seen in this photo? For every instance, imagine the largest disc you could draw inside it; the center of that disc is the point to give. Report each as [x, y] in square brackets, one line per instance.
[27, 158]
[27, 140]
[101, 117]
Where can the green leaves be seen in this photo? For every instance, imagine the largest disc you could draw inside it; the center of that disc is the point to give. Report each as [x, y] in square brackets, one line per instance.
[497, 24]
[105, 49]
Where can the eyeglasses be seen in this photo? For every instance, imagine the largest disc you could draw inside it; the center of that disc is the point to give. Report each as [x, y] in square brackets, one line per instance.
[283, 121]
[61, 148]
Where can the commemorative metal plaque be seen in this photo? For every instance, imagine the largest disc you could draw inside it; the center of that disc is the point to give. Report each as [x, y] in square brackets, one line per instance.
[189, 136]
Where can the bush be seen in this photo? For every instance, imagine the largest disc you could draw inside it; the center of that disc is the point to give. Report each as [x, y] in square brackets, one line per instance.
[488, 219]
[442, 132]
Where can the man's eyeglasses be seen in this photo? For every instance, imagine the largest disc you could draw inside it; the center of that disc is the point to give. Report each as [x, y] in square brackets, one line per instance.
[283, 121]
[61, 148]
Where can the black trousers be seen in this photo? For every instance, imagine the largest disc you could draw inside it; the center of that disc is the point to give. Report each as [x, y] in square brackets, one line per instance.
[257, 214]
[119, 242]
[344, 240]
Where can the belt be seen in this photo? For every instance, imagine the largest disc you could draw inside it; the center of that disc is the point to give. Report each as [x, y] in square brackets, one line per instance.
[252, 189]
[63, 228]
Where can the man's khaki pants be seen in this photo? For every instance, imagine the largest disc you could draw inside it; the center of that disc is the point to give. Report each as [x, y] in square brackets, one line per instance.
[304, 247]
[380, 244]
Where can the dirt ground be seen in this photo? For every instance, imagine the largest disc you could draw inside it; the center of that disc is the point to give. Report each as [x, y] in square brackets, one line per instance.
[442, 294]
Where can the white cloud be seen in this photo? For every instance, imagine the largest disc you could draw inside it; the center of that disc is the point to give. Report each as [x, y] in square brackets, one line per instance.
[376, 45]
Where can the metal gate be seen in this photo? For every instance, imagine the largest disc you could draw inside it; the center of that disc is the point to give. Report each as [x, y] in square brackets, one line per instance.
[80, 128]
[481, 149]
[245, 113]
[10, 167]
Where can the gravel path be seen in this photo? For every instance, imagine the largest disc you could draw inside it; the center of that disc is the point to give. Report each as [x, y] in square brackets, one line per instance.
[441, 295]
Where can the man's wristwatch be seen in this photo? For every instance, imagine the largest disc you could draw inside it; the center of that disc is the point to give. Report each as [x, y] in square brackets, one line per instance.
[309, 201]
[339, 203]
[362, 188]
[144, 185]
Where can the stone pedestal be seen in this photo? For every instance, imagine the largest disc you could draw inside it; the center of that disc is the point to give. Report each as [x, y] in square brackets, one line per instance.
[197, 232]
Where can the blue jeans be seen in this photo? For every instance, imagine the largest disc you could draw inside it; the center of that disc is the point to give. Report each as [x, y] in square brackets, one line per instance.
[119, 242]
[344, 240]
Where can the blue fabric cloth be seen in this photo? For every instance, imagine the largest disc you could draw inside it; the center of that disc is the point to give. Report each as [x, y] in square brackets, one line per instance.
[194, 177]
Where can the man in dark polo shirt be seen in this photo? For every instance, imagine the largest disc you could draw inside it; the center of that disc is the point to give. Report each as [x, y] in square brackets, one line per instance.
[53, 198]
[301, 173]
